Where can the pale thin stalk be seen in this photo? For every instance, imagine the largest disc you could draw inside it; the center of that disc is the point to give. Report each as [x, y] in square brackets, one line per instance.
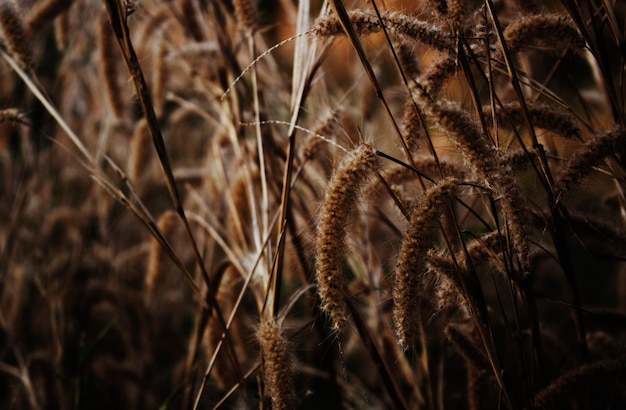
[301, 89]
[22, 375]
[243, 289]
[221, 242]
[235, 309]
[262, 232]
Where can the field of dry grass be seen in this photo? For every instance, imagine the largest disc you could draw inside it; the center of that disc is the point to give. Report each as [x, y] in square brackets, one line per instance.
[411, 205]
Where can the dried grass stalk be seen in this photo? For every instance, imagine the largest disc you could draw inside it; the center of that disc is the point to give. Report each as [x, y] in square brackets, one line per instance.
[401, 175]
[341, 197]
[456, 13]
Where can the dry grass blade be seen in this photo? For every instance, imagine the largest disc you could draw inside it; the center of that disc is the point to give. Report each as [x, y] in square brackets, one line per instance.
[117, 17]
[300, 90]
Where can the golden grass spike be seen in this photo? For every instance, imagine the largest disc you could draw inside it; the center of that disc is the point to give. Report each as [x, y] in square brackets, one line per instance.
[589, 156]
[407, 54]
[440, 7]
[341, 196]
[277, 372]
[542, 116]
[398, 24]
[487, 162]
[13, 35]
[411, 263]
[413, 130]
[247, 14]
[61, 31]
[557, 31]
[439, 73]
[108, 67]
[159, 75]
[456, 13]
[140, 149]
[166, 224]
[514, 211]
[559, 393]
[12, 115]
[447, 278]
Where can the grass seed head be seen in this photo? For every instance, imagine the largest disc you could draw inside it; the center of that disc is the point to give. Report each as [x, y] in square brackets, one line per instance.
[341, 197]
[277, 372]
[247, 14]
[109, 56]
[411, 264]
[13, 35]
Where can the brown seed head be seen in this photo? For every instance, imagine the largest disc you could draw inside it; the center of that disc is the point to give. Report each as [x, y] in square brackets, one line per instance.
[277, 372]
[542, 116]
[14, 36]
[247, 14]
[559, 393]
[556, 31]
[139, 151]
[12, 115]
[340, 199]
[397, 24]
[108, 65]
[589, 156]
[166, 224]
[412, 259]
